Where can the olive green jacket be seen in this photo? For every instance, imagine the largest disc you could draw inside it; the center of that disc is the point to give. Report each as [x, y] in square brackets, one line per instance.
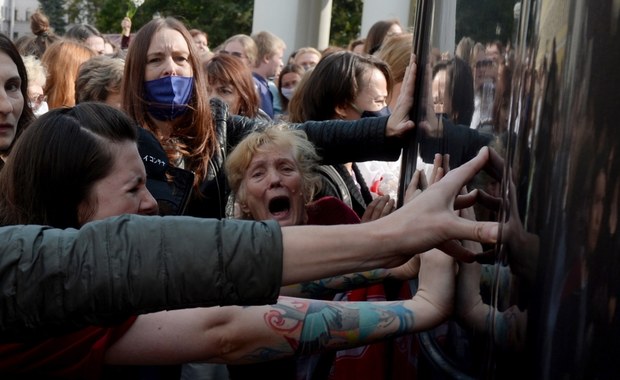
[58, 280]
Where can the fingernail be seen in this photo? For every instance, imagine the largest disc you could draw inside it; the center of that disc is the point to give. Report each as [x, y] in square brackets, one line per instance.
[494, 233]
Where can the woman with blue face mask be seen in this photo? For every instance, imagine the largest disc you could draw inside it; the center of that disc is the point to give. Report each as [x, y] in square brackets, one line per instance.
[165, 92]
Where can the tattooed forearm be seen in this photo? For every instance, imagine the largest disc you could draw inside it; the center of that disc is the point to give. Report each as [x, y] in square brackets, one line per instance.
[303, 327]
[329, 325]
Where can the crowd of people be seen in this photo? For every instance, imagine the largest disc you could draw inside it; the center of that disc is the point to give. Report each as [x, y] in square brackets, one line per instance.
[167, 205]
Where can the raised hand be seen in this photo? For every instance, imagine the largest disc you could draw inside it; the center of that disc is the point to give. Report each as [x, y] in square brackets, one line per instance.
[433, 213]
[399, 121]
[378, 208]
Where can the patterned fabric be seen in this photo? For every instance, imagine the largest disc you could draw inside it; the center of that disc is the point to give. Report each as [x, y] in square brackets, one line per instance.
[390, 359]
[325, 211]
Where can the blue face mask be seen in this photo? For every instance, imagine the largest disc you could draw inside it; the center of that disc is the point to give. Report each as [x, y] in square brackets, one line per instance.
[168, 97]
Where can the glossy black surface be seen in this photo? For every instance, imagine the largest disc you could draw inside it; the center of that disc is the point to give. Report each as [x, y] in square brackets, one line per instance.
[549, 305]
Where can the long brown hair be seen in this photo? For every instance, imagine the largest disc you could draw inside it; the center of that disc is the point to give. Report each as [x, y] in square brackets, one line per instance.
[193, 134]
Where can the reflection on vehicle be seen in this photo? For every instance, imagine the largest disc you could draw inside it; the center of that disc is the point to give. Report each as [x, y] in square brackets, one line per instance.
[536, 81]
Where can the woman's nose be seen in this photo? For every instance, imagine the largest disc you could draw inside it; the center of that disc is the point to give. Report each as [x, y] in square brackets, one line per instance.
[274, 177]
[6, 106]
[170, 68]
[148, 204]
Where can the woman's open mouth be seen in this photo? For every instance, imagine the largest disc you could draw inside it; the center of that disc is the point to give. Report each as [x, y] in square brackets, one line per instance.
[279, 206]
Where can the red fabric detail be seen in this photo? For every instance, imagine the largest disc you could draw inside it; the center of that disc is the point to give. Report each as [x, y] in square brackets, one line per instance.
[328, 211]
[78, 355]
[390, 359]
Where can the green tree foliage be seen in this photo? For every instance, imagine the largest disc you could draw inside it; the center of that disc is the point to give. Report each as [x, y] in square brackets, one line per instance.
[110, 16]
[219, 18]
[485, 20]
[222, 19]
[55, 11]
[83, 11]
[346, 21]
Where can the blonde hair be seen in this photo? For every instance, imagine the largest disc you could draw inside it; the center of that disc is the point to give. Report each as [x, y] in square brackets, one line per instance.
[396, 52]
[248, 44]
[36, 71]
[267, 44]
[278, 136]
[308, 49]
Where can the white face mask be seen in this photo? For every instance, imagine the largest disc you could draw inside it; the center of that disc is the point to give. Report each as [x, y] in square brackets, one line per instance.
[43, 108]
[288, 92]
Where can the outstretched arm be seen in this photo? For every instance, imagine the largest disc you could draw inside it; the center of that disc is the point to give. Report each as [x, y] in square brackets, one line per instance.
[135, 264]
[329, 286]
[238, 335]
[427, 222]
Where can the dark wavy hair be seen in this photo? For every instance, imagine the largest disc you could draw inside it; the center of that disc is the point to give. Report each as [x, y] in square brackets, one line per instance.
[56, 162]
[335, 81]
[460, 88]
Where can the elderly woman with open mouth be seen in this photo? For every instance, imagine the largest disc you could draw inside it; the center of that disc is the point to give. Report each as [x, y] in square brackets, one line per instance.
[273, 176]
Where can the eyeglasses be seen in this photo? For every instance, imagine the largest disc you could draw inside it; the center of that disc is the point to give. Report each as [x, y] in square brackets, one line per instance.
[235, 53]
[485, 63]
[35, 102]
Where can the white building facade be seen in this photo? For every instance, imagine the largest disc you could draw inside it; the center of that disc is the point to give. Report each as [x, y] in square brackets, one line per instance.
[307, 22]
[15, 17]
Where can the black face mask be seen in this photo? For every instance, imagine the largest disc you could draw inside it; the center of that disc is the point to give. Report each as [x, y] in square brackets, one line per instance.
[385, 111]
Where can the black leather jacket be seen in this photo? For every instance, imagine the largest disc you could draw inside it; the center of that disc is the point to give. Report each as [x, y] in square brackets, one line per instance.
[337, 141]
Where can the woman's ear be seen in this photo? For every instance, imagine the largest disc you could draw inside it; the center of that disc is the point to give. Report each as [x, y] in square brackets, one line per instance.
[340, 112]
[244, 208]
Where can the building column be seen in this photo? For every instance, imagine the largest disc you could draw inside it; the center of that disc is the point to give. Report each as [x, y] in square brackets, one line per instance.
[377, 10]
[444, 26]
[298, 22]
